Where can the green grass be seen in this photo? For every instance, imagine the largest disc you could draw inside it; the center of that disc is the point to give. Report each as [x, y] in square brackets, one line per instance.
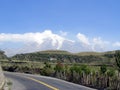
[9, 83]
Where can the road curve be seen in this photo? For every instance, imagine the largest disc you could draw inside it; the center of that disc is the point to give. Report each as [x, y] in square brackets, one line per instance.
[35, 82]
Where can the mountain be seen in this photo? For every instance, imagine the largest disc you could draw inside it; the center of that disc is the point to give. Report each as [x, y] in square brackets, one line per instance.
[32, 42]
[48, 44]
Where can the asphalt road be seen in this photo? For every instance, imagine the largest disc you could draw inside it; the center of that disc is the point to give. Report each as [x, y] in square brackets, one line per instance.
[22, 81]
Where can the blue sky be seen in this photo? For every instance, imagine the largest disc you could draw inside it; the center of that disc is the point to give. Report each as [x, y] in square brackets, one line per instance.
[93, 18]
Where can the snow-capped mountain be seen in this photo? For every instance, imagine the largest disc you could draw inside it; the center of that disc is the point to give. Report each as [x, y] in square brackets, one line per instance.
[31, 42]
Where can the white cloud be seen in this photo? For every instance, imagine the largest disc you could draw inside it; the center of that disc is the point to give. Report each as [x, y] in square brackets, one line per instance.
[83, 39]
[48, 40]
[98, 44]
[62, 33]
[94, 44]
[116, 44]
[32, 37]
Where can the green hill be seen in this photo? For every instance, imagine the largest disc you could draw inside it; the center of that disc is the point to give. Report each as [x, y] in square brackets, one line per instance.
[2, 55]
[67, 57]
[89, 53]
[54, 52]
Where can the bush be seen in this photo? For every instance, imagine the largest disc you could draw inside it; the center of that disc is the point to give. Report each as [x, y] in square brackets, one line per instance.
[111, 72]
[59, 67]
[103, 69]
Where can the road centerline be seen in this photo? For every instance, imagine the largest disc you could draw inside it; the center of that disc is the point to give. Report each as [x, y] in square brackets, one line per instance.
[38, 81]
[43, 83]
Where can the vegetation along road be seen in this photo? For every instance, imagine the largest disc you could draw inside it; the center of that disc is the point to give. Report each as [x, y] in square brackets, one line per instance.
[22, 81]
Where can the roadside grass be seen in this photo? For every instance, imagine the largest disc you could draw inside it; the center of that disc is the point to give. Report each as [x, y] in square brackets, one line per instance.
[66, 71]
[40, 65]
[8, 85]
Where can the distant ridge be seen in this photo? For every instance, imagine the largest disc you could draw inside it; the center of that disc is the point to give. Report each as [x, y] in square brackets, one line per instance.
[68, 57]
[55, 52]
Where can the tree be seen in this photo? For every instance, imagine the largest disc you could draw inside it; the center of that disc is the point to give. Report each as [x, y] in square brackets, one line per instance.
[103, 69]
[59, 70]
[117, 59]
[47, 69]
[47, 65]
[59, 67]
[111, 72]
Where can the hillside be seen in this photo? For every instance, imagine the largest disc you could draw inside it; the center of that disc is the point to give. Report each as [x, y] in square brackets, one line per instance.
[2, 55]
[2, 79]
[89, 53]
[54, 52]
[67, 57]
